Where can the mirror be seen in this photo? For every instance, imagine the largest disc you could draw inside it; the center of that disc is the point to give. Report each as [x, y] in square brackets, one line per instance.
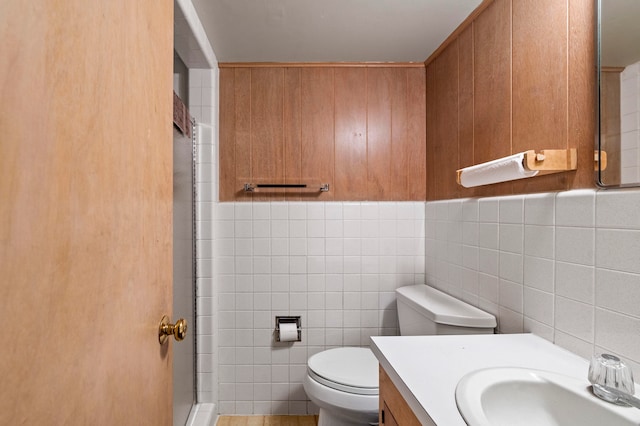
[618, 40]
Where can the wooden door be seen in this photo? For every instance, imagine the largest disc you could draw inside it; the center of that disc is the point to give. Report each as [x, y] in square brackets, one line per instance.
[85, 211]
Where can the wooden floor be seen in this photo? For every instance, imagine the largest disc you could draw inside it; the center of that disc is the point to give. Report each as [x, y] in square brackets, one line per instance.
[267, 421]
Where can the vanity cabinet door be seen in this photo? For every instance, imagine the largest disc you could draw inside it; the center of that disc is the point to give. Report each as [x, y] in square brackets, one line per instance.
[394, 410]
[386, 417]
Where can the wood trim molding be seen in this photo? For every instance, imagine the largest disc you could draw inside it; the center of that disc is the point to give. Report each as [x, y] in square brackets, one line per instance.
[321, 64]
[463, 26]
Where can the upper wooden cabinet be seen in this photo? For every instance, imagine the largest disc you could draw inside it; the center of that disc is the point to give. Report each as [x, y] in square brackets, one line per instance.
[518, 75]
[359, 128]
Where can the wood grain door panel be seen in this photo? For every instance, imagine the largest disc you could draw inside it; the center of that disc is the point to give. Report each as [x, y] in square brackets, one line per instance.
[292, 130]
[351, 133]
[85, 222]
[582, 90]
[492, 82]
[466, 143]
[540, 79]
[227, 132]
[492, 88]
[446, 137]
[379, 105]
[403, 141]
[416, 135]
[242, 131]
[432, 118]
[318, 120]
[267, 143]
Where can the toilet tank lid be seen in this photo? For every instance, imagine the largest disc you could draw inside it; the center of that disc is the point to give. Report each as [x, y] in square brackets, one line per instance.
[444, 309]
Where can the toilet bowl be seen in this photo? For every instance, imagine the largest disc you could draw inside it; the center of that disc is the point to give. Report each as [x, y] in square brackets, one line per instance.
[343, 382]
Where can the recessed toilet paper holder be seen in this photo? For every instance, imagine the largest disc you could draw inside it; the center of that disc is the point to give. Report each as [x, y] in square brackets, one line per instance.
[288, 320]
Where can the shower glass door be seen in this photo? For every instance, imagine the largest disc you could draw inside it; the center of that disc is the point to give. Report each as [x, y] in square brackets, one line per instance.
[183, 276]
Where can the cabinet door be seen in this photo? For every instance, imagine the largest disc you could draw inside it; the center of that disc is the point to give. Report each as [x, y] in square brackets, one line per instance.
[394, 410]
[359, 129]
[317, 106]
[386, 417]
[351, 133]
[266, 130]
[540, 84]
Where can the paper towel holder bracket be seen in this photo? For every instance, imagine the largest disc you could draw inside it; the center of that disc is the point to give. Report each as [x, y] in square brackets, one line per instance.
[545, 161]
[288, 320]
[551, 160]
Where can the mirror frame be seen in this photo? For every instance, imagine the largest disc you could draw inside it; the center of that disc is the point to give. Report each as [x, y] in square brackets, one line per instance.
[598, 126]
[598, 135]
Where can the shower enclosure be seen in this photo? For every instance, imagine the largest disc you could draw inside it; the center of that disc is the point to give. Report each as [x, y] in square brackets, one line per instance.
[184, 372]
[195, 392]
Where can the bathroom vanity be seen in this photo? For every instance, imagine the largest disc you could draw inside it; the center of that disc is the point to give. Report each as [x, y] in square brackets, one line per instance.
[419, 374]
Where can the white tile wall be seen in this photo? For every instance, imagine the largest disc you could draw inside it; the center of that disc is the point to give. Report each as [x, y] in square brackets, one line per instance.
[203, 107]
[334, 264]
[565, 266]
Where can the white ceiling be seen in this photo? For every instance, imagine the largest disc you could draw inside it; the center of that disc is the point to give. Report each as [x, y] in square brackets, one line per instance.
[329, 30]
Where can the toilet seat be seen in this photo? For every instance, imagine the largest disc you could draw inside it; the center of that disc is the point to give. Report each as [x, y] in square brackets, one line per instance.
[352, 370]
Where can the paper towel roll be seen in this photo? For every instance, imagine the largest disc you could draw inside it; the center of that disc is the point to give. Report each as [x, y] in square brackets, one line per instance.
[500, 170]
[288, 332]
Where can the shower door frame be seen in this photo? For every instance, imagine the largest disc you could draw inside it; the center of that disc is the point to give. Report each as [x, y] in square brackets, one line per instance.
[181, 414]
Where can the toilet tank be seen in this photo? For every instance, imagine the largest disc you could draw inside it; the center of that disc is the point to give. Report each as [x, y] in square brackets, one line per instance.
[423, 310]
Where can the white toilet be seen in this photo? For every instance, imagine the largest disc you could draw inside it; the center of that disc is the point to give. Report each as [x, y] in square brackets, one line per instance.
[343, 382]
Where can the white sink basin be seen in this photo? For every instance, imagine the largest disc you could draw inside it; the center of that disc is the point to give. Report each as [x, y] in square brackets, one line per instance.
[520, 397]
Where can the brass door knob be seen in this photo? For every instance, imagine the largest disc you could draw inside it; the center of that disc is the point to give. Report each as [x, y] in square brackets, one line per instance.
[177, 330]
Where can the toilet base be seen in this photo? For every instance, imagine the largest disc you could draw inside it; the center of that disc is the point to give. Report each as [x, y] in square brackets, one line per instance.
[327, 418]
[339, 408]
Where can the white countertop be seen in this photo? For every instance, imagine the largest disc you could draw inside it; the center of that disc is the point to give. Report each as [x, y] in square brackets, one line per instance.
[420, 365]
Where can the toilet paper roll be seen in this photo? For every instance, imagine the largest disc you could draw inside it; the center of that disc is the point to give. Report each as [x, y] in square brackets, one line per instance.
[500, 170]
[288, 332]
